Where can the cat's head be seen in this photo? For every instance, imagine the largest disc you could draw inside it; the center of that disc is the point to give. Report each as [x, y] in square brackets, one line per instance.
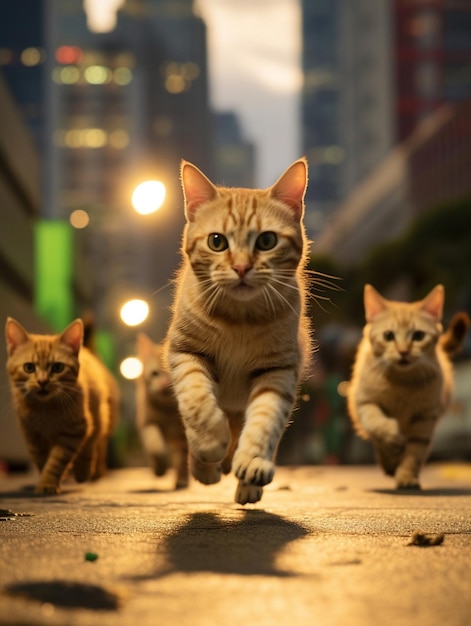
[154, 375]
[404, 335]
[42, 367]
[245, 243]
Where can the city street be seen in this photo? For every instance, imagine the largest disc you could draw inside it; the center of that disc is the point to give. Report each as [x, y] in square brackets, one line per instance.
[326, 546]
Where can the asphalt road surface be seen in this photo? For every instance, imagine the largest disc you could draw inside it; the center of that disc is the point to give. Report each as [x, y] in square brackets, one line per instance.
[326, 546]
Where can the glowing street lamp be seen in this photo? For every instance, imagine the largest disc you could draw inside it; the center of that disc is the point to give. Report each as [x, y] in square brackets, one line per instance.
[130, 368]
[148, 197]
[134, 312]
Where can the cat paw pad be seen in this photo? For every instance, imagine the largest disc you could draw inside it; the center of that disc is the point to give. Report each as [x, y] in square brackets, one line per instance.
[248, 494]
[253, 471]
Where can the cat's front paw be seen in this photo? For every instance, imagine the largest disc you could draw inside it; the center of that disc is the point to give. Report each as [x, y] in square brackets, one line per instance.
[47, 490]
[406, 480]
[253, 470]
[206, 473]
[390, 436]
[159, 463]
[211, 445]
[248, 494]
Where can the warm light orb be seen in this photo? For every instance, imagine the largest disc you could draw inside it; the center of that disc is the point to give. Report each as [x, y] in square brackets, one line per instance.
[130, 368]
[134, 312]
[148, 197]
[79, 219]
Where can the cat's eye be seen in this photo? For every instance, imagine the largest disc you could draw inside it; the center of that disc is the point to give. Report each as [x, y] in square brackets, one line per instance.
[388, 335]
[418, 335]
[57, 367]
[29, 368]
[266, 240]
[217, 242]
[154, 373]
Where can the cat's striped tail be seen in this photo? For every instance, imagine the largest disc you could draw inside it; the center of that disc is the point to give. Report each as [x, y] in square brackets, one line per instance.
[452, 341]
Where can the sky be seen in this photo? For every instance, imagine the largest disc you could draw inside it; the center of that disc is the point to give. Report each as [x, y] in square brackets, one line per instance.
[254, 49]
[254, 63]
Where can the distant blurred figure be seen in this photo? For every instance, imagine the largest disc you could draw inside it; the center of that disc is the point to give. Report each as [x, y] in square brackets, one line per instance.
[158, 420]
[403, 379]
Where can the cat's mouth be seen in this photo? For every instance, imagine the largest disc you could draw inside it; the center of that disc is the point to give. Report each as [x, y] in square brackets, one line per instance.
[242, 291]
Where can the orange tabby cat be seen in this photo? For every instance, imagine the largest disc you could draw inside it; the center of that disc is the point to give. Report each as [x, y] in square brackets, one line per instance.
[402, 379]
[158, 420]
[239, 336]
[66, 402]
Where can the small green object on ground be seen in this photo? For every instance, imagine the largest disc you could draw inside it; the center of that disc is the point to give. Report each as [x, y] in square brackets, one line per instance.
[91, 556]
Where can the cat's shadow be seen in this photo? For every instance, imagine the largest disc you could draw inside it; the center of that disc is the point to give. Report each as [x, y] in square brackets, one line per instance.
[248, 546]
[443, 491]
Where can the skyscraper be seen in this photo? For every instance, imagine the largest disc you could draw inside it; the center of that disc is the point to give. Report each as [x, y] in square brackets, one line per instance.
[346, 98]
[374, 69]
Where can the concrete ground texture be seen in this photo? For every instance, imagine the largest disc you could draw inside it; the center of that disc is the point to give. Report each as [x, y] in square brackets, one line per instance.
[326, 546]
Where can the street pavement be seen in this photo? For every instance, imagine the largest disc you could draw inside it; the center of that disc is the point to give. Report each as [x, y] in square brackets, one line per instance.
[326, 546]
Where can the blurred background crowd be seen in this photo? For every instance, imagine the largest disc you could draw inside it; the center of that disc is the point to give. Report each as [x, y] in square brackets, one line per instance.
[101, 99]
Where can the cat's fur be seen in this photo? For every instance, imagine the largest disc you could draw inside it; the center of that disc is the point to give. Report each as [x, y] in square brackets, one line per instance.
[402, 379]
[239, 336]
[158, 420]
[66, 401]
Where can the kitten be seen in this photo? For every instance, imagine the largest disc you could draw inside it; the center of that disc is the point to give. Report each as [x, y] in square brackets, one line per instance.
[239, 336]
[402, 379]
[158, 420]
[66, 402]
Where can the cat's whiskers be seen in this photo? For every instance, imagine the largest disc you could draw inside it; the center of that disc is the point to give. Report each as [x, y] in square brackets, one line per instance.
[268, 300]
[282, 297]
[215, 294]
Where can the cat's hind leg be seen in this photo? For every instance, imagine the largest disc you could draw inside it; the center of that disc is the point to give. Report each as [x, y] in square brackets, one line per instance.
[85, 462]
[415, 453]
[154, 444]
[388, 456]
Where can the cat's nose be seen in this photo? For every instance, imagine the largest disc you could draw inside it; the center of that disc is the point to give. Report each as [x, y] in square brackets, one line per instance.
[241, 269]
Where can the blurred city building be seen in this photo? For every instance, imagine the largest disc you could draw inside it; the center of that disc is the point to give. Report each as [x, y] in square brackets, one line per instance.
[347, 97]
[234, 156]
[374, 70]
[106, 111]
[429, 168]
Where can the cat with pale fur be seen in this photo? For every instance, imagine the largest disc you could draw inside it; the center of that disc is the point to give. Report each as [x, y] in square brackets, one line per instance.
[158, 420]
[239, 337]
[402, 379]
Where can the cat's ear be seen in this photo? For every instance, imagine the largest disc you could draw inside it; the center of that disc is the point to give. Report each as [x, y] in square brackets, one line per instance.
[374, 303]
[144, 344]
[73, 335]
[291, 187]
[15, 335]
[197, 189]
[433, 303]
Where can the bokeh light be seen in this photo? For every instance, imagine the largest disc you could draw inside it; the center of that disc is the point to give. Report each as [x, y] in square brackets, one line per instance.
[130, 368]
[148, 197]
[79, 219]
[134, 312]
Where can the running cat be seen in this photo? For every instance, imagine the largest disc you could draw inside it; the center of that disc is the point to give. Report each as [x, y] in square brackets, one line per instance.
[239, 338]
[402, 379]
[66, 402]
[158, 420]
